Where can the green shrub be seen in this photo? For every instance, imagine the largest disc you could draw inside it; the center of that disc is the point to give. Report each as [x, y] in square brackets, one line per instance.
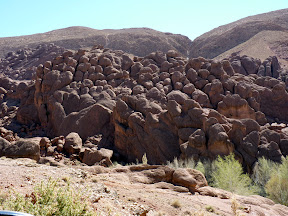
[262, 172]
[277, 186]
[48, 199]
[207, 167]
[228, 175]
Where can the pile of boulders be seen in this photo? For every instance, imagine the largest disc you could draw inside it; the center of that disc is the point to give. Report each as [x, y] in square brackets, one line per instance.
[59, 148]
[162, 104]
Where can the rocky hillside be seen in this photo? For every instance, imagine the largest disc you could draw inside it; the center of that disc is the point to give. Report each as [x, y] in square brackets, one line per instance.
[263, 34]
[162, 105]
[22, 64]
[262, 45]
[138, 41]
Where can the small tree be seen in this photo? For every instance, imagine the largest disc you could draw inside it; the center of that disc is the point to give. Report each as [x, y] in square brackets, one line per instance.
[228, 175]
[262, 173]
[277, 186]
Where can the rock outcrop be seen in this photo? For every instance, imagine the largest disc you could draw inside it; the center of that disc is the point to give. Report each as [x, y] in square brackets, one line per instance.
[161, 105]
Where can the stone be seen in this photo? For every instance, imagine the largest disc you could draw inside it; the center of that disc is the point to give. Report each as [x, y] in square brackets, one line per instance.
[23, 148]
[233, 106]
[3, 145]
[189, 178]
[283, 145]
[178, 96]
[197, 140]
[93, 156]
[174, 108]
[189, 88]
[250, 66]
[73, 143]
[219, 142]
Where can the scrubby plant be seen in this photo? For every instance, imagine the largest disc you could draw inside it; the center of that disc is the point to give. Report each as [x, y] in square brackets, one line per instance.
[277, 186]
[262, 172]
[144, 159]
[176, 204]
[49, 199]
[188, 163]
[207, 167]
[228, 175]
[209, 209]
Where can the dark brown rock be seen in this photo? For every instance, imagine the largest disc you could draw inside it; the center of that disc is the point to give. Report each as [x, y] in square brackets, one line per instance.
[24, 148]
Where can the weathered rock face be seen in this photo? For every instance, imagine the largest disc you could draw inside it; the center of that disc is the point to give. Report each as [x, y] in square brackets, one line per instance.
[162, 104]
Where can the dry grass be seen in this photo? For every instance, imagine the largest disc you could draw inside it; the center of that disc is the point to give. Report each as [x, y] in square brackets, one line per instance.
[176, 204]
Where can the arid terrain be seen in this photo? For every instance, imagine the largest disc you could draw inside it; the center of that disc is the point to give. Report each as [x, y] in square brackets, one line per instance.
[119, 191]
[76, 103]
[138, 41]
[257, 36]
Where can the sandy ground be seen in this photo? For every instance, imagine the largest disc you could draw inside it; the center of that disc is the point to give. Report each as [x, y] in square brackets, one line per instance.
[114, 193]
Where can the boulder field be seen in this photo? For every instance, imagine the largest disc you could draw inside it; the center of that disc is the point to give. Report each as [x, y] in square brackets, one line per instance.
[96, 103]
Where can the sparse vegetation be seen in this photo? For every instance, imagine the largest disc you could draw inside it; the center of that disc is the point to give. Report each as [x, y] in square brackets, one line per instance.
[228, 175]
[176, 204]
[209, 209]
[269, 179]
[277, 186]
[262, 172]
[48, 199]
[234, 206]
[94, 179]
[144, 159]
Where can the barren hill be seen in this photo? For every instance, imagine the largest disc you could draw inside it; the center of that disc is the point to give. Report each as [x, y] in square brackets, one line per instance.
[138, 41]
[262, 45]
[226, 37]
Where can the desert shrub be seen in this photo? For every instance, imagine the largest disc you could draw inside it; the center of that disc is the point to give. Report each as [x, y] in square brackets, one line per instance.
[144, 159]
[228, 175]
[179, 163]
[209, 209]
[48, 199]
[262, 172]
[277, 186]
[176, 204]
[207, 167]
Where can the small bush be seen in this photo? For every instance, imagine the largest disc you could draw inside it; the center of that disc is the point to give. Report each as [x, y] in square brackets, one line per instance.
[277, 186]
[144, 159]
[209, 209]
[234, 206]
[176, 204]
[48, 199]
[228, 175]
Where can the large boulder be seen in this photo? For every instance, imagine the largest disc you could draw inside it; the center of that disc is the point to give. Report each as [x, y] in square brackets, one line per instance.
[23, 148]
[73, 143]
[219, 142]
[190, 178]
[93, 156]
[3, 145]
